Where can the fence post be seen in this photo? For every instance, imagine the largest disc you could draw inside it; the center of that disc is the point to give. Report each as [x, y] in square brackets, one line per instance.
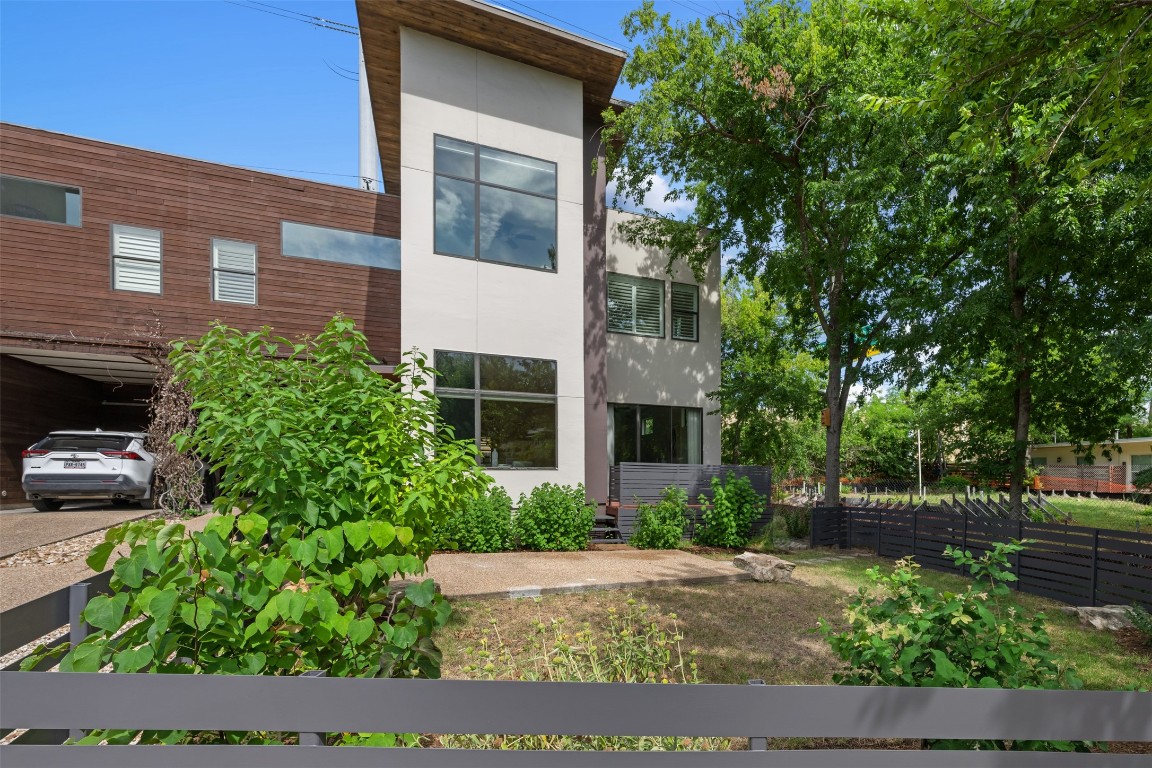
[914, 521]
[879, 528]
[757, 743]
[77, 631]
[307, 738]
[848, 514]
[1019, 537]
[1095, 566]
[964, 536]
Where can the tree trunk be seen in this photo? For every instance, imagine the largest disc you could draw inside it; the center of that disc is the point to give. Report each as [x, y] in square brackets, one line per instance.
[835, 426]
[1022, 364]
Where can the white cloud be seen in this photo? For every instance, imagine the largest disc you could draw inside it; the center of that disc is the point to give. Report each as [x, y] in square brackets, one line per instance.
[654, 200]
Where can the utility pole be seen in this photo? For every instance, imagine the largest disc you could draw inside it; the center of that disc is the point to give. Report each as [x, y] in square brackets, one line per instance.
[919, 464]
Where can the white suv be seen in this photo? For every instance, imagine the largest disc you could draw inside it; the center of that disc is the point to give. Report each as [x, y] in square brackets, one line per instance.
[75, 465]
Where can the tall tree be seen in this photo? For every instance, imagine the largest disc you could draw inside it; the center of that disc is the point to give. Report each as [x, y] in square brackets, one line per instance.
[770, 390]
[757, 120]
[1053, 290]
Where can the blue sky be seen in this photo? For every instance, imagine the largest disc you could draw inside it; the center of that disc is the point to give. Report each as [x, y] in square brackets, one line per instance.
[244, 83]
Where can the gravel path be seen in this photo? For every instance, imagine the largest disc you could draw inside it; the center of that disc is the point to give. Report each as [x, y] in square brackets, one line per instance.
[24, 530]
[29, 574]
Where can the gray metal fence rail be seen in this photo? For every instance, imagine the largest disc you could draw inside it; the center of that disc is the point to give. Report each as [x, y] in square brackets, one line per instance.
[631, 483]
[1075, 565]
[325, 705]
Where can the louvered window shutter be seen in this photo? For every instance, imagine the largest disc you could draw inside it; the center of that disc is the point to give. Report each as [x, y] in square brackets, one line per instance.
[234, 272]
[635, 305]
[685, 312]
[136, 258]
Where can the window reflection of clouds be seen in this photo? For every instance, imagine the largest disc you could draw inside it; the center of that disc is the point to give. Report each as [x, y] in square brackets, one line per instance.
[455, 209]
[516, 228]
[306, 241]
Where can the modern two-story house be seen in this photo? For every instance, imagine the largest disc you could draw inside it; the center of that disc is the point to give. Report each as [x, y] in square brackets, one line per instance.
[561, 348]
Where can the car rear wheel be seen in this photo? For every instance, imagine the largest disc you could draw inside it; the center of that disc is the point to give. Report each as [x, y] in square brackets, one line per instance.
[153, 500]
[46, 505]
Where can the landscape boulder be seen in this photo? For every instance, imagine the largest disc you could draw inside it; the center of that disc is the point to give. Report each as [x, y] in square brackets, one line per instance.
[1106, 617]
[765, 567]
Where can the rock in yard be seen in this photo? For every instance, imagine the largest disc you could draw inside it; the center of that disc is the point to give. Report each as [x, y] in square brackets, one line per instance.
[764, 567]
[1109, 617]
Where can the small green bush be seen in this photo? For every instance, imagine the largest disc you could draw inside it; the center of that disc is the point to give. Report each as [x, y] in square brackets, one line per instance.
[553, 518]
[901, 632]
[1143, 478]
[727, 521]
[795, 520]
[661, 526]
[952, 484]
[483, 524]
[1142, 620]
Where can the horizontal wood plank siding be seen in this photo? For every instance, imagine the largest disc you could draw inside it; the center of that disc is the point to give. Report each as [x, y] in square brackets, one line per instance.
[634, 483]
[57, 278]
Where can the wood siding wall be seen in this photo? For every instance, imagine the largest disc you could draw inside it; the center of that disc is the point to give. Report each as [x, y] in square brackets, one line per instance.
[57, 279]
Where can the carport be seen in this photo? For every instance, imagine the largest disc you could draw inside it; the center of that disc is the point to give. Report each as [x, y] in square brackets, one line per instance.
[65, 387]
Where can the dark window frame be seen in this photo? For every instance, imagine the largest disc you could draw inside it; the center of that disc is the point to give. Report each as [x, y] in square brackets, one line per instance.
[639, 429]
[633, 279]
[478, 395]
[78, 190]
[694, 314]
[476, 183]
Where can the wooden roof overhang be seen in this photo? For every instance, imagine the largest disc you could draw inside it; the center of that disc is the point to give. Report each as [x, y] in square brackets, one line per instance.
[477, 25]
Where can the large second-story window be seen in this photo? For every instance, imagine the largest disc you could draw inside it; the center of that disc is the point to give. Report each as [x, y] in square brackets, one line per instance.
[494, 205]
[39, 200]
[507, 405]
[635, 305]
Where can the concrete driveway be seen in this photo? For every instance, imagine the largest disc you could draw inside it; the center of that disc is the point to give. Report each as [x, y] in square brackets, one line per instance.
[24, 528]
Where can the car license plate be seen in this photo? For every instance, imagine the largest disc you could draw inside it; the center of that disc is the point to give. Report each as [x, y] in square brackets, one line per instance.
[75, 465]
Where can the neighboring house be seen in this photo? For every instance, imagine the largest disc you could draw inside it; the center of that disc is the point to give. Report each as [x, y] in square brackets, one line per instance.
[1062, 469]
[492, 251]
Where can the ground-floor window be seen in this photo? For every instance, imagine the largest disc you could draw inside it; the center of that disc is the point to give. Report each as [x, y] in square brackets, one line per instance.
[507, 405]
[660, 434]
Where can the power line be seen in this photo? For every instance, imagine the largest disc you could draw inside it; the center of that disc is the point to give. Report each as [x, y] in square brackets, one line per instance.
[306, 15]
[338, 73]
[568, 24]
[297, 170]
[314, 21]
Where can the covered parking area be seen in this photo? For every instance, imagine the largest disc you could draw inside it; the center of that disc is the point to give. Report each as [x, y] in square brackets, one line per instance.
[57, 386]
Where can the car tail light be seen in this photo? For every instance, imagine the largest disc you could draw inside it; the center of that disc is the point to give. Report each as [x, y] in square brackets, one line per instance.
[131, 455]
[32, 453]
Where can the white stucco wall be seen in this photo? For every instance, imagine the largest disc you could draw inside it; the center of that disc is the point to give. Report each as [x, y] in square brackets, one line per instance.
[465, 305]
[661, 371]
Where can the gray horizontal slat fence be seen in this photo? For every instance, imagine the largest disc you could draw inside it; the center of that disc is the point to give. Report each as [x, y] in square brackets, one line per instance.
[632, 483]
[1072, 564]
[32, 620]
[317, 704]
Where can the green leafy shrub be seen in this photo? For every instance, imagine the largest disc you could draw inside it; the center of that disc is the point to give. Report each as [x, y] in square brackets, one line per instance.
[661, 525]
[727, 520]
[1142, 620]
[553, 518]
[901, 632]
[634, 647]
[483, 524]
[1143, 478]
[340, 482]
[953, 484]
[796, 521]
